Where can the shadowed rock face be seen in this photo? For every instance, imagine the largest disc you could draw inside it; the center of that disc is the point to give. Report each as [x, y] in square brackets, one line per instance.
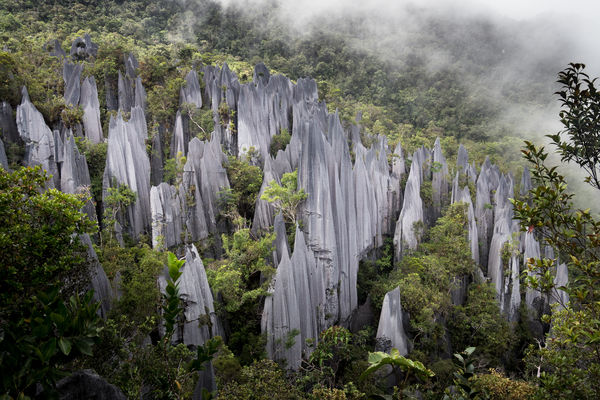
[3, 159]
[99, 281]
[38, 138]
[7, 124]
[390, 322]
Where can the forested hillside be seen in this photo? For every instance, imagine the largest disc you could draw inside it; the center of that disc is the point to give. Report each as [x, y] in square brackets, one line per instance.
[271, 210]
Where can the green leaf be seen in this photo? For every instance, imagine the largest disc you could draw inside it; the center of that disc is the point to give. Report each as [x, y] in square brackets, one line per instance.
[65, 345]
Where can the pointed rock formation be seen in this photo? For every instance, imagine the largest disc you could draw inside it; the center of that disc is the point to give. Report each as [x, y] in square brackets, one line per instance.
[91, 110]
[74, 174]
[190, 93]
[99, 281]
[407, 234]
[281, 316]
[201, 322]
[166, 208]
[72, 78]
[10, 134]
[127, 163]
[390, 325]
[3, 159]
[38, 138]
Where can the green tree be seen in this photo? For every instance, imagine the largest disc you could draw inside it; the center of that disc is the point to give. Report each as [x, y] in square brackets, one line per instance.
[285, 197]
[568, 362]
[44, 322]
[579, 141]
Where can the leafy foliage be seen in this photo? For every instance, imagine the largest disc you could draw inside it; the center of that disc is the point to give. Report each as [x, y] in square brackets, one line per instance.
[285, 197]
[409, 368]
[581, 119]
[44, 323]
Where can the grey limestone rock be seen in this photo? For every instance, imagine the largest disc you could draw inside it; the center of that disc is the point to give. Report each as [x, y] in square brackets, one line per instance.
[561, 279]
[127, 163]
[204, 170]
[74, 173]
[464, 196]
[55, 49]
[390, 322]
[99, 281]
[281, 316]
[10, 134]
[439, 180]
[407, 234]
[281, 242]
[156, 158]
[484, 214]
[38, 138]
[140, 94]
[3, 159]
[263, 210]
[179, 140]
[126, 93]
[86, 384]
[531, 249]
[201, 322]
[191, 93]
[261, 74]
[83, 48]
[167, 209]
[462, 159]
[72, 78]
[91, 110]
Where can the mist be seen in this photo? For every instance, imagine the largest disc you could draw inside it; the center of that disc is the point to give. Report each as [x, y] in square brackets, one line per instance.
[526, 43]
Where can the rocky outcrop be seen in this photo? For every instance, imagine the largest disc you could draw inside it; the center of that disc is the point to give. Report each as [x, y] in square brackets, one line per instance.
[281, 316]
[72, 78]
[39, 139]
[166, 208]
[190, 93]
[127, 164]
[439, 180]
[87, 384]
[201, 322]
[83, 47]
[3, 159]
[391, 325]
[99, 281]
[411, 219]
[10, 133]
[74, 174]
[91, 110]
[484, 213]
